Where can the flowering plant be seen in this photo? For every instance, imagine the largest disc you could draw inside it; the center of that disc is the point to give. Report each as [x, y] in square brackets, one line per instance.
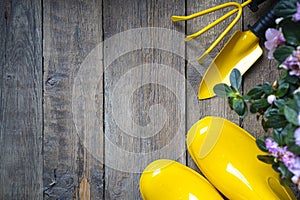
[277, 105]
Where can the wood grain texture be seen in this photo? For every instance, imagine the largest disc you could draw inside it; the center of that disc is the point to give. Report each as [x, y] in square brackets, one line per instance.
[96, 90]
[214, 106]
[21, 164]
[72, 29]
[144, 91]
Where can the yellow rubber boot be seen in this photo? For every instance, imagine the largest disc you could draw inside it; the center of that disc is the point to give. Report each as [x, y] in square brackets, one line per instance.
[169, 180]
[227, 155]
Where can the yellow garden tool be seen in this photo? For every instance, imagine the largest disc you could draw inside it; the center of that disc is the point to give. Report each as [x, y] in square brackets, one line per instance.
[169, 180]
[240, 52]
[221, 36]
[227, 155]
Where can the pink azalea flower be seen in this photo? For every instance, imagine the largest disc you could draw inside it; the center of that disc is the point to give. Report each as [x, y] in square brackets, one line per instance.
[272, 147]
[295, 169]
[296, 16]
[274, 40]
[296, 180]
[271, 98]
[287, 157]
[292, 63]
[297, 135]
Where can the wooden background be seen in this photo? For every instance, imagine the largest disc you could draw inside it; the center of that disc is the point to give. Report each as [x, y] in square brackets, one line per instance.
[46, 148]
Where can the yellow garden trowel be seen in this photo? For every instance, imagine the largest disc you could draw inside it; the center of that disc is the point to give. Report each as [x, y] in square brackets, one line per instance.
[240, 52]
[241, 41]
[252, 4]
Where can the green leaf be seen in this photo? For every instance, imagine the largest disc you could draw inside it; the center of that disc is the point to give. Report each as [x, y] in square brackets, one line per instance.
[255, 93]
[276, 121]
[297, 99]
[281, 53]
[275, 167]
[291, 115]
[271, 111]
[267, 88]
[283, 169]
[238, 106]
[264, 124]
[279, 103]
[235, 79]
[284, 75]
[291, 31]
[285, 173]
[266, 159]
[258, 105]
[292, 104]
[246, 98]
[223, 90]
[292, 79]
[294, 148]
[285, 8]
[245, 111]
[282, 90]
[278, 137]
[289, 136]
[261, 144]
[287, 130]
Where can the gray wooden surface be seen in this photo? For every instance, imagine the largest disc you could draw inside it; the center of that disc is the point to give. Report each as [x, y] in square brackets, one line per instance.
[92, 91]
[21, 118]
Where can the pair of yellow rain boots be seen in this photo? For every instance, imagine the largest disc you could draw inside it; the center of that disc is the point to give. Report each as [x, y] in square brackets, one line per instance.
[227, 156]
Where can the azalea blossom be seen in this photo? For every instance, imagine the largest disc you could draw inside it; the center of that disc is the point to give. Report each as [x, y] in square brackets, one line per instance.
[271, 98]
[287, 157]
[292, 63]
[296, 180]
[290, 160]
[274, 39]
[295, 169]
[296, 16]
[272, 147]
[297, 135]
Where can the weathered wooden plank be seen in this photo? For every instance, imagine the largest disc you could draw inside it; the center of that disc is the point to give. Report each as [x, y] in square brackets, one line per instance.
[21, 163]
[72, 29]
[195, 71]
[144, 90]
